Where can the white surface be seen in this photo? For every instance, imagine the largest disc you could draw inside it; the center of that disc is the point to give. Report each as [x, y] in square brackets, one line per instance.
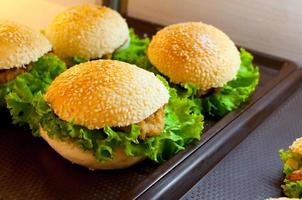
[271, 26]
[36, 13]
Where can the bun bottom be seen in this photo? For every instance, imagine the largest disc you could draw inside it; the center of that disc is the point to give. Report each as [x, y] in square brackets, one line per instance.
[75, 154]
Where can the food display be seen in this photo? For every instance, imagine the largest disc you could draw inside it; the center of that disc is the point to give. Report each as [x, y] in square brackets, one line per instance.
[125, 98]
[104, 96]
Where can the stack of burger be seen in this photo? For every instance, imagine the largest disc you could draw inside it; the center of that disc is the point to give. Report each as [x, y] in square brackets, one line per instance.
[124, 98]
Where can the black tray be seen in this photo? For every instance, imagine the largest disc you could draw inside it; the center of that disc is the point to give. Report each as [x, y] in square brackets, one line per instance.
[253, 170]
[30, 169]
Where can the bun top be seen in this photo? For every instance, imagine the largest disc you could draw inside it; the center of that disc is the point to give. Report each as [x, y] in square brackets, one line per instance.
[87, 31]
[195, 53]
[296, 147]
[106, 93]
[20, 45]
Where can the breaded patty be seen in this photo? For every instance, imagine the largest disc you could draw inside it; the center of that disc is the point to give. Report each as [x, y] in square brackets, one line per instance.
[151, 126]
[7, 75]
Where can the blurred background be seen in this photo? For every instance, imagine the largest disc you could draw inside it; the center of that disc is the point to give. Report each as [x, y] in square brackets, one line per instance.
[36, 13]
[271, 26]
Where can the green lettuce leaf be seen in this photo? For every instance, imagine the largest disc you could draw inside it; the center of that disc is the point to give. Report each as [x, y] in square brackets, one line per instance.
[235, 92]
[136, 53]
[291, 161]
[78, 60]
[292, 189]
[23, 89]
[4, 90]
[183, 124]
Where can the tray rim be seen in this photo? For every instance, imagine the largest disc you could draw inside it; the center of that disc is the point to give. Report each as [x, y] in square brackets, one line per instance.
[287, 68]
[285, 83]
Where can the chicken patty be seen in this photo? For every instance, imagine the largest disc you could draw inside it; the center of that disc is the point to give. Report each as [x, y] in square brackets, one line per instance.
[151, 126]
[7, 75]
[203, 94]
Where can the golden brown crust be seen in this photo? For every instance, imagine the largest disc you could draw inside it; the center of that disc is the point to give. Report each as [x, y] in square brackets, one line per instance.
[7, 75]
[103, 93]
[20, 45]
[195, 53]
[75, 154]
[87, 31]
[153, 125]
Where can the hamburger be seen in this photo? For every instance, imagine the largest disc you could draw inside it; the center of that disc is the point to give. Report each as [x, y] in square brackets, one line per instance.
[195, 53]
[292, 160]
[21, 47]
[87, 32]
[198, 55]
[107, 114]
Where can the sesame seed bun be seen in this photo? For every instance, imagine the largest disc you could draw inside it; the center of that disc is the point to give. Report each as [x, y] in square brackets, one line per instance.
[103, 93]
[75, 154]
[20, 45]
[87, 31]
[195, 53]
[296, 147]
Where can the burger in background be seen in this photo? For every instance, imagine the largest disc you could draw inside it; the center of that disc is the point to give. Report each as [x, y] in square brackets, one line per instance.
[87, 32]
[195, 53]
[292, 160]
[203, 56]
[22, 50]
[201, 61]
[108, 114]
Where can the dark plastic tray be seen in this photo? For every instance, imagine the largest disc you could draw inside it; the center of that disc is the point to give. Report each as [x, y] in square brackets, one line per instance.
[253, 170]
[30, 169]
